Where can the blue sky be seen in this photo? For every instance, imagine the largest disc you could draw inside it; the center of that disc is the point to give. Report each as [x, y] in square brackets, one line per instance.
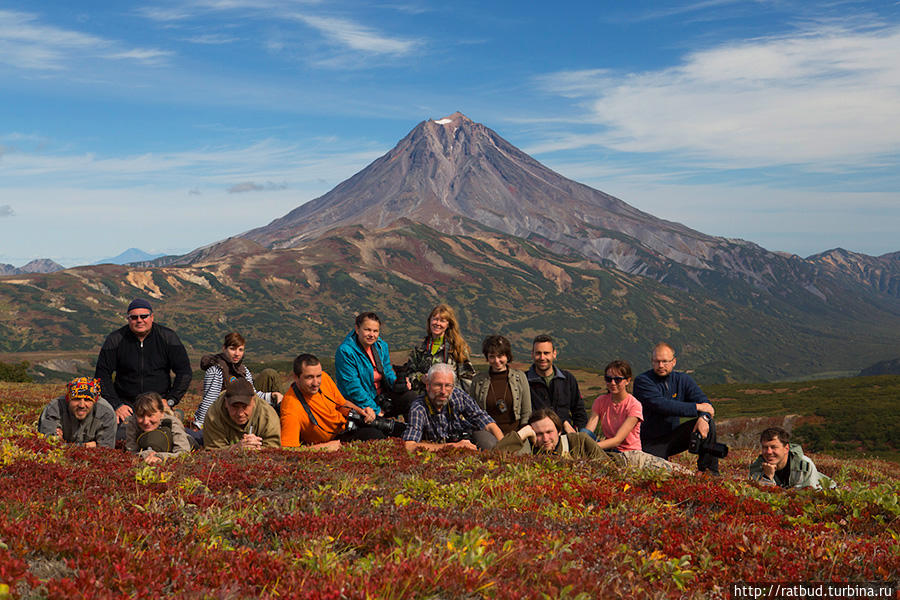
[171, 125]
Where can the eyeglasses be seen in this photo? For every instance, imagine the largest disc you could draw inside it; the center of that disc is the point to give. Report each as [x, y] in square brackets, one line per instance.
[662, 361]
[616, 378]
[140, 317]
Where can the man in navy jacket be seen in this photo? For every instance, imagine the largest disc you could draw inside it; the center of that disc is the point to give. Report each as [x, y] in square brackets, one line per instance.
[667, 396]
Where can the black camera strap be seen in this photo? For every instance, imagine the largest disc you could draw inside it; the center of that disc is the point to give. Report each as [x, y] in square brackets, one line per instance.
[304, 404]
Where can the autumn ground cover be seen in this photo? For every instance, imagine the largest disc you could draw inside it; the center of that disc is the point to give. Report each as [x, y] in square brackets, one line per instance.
[372, 521]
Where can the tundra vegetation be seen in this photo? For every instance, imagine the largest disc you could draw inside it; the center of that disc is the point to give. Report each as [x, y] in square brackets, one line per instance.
[373, 521]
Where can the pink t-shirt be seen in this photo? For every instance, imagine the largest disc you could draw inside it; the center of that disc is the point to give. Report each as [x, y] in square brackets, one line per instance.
[612, 415]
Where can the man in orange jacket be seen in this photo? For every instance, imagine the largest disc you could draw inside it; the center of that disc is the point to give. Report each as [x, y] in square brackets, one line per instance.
[314, 412]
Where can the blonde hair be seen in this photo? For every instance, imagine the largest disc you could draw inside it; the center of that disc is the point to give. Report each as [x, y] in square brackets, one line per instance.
[459, 349]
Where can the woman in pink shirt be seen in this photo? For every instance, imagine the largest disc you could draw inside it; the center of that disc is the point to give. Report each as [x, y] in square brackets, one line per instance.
[618, 412]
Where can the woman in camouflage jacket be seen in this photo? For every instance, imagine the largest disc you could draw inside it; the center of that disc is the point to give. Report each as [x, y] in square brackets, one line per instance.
[442, 343]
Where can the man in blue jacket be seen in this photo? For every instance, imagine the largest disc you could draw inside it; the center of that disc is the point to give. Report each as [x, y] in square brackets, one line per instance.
[666, 397]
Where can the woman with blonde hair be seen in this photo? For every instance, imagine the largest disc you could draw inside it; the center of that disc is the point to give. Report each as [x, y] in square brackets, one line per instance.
[443, 343]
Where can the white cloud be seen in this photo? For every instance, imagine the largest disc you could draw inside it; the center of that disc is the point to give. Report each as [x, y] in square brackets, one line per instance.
[358, 37]
[821, 97]
[252, 186]
[7, 211]
[268, 160]
[164, 15]
[26, 43]
[212, 39]
[146, 56]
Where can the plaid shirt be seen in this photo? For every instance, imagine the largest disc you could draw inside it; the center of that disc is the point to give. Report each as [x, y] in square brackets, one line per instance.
[460, 414]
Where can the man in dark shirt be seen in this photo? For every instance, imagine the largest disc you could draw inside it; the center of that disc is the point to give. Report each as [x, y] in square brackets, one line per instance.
[666, 397]
[142, 356]
[554, 388]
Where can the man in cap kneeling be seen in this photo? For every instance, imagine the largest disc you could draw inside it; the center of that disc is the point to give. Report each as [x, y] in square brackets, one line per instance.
[81, 416]
[236, 418]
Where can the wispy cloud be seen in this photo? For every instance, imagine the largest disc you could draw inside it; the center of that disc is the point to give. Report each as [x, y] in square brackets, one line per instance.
[250, 186]
[164, 14]
[7, 211]
[26, 43]
[821, 97]
[358, 37]
[146, 56]
[212, 39]
[211, 168]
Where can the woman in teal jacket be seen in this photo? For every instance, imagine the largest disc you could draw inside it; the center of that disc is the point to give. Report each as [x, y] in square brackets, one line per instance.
[363, 370]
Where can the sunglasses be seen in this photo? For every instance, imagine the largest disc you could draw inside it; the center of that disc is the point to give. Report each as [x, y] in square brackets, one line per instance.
[616, 378]
[140, 317]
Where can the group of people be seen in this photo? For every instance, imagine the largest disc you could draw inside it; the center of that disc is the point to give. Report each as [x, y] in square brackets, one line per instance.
[436, 400]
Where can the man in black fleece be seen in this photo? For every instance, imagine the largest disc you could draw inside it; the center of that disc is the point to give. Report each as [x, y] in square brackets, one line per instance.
[142, 356]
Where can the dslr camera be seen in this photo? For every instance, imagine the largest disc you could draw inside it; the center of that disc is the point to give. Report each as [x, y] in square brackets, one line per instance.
[388, 427]
[697, 443]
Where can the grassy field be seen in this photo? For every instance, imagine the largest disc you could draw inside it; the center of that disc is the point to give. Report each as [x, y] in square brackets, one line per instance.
[845, 417]
[372, 521]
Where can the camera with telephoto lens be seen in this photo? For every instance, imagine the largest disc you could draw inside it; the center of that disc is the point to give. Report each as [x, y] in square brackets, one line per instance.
[697, 442]
[386, 404]
[388, 427]
[459, 436]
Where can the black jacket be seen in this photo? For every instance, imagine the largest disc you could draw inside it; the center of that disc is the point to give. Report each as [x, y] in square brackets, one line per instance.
[562, 396]
[143, 366]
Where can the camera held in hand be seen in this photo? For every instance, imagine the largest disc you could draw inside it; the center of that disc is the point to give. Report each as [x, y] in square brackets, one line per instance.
[698, 443]
[388, 427]
[459, 436]
[386, 404]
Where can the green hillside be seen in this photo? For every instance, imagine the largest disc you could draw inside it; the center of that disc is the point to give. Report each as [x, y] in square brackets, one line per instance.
[305, 298]
[848, 417]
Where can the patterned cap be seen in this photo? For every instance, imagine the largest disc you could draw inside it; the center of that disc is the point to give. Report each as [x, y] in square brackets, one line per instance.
[83, 387]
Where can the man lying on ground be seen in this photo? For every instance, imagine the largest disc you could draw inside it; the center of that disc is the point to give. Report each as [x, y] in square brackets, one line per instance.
[81, 416]
[239, 418]
[544, 434]
[784, 464]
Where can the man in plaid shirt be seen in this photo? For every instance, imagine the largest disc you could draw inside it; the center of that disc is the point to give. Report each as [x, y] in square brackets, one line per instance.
[447, 417]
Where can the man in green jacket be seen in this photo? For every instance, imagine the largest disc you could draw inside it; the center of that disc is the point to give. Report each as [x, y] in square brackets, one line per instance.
[543, 434]
[783, 464]
[237, 419]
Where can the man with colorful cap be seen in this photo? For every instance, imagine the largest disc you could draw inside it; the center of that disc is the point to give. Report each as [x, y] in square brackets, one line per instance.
[81, 416]
[143, 356]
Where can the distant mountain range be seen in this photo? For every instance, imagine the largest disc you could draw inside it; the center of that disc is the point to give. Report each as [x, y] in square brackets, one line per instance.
[132, 255]
[40, 265]
[456, 213]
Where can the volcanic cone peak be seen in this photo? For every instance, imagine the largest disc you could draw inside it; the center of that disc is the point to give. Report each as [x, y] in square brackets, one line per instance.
[451, 167]
[454, 174]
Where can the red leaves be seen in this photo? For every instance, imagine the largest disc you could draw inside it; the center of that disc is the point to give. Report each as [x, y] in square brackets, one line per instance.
[373, 519]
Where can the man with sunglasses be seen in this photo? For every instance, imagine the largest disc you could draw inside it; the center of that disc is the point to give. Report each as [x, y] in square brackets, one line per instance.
[143, 357]
[666, 396]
